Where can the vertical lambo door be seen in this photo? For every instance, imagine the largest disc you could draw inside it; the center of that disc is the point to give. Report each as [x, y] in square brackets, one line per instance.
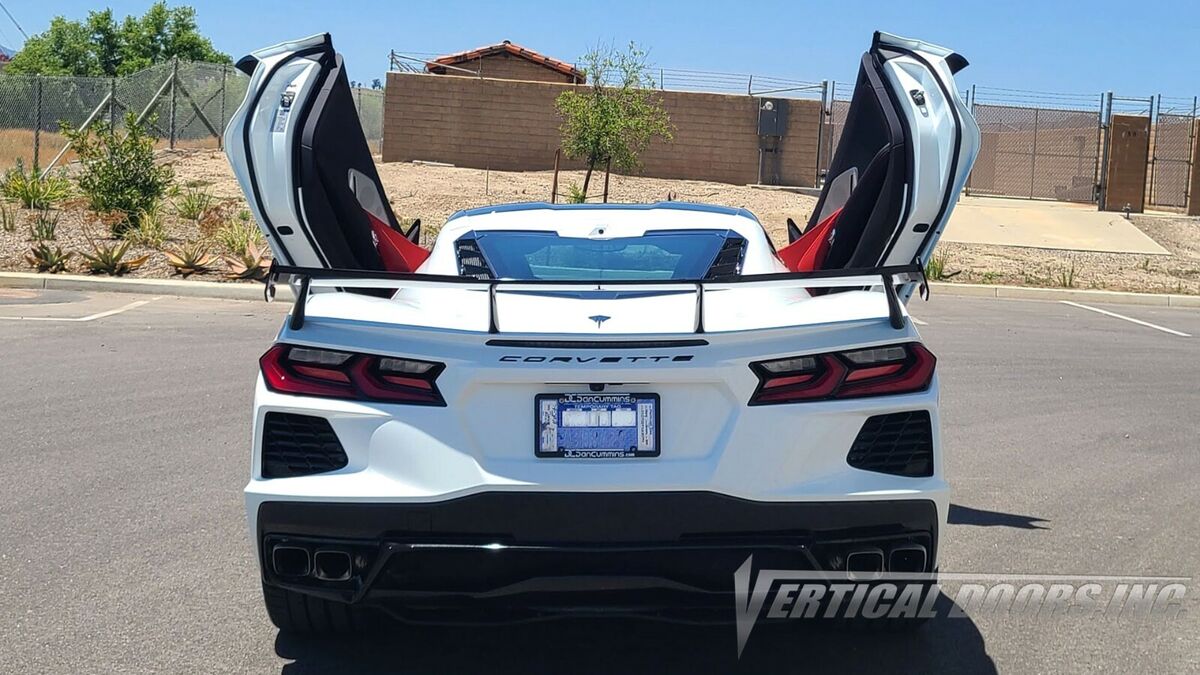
[299, 152]
[905, 151]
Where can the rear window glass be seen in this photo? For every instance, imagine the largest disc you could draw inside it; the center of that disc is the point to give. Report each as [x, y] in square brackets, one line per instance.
[664, 254]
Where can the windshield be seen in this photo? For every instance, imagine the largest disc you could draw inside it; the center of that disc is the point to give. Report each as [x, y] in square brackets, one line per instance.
[665, 254]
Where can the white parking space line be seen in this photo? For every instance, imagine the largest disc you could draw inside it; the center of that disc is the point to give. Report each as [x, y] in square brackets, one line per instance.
[90, 317]
[918, 321]
[1130, 319]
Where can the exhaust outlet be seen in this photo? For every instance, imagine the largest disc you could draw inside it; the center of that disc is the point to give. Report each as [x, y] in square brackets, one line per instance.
[291, 561]
[909, 558]
[864, 564]
[331, 565]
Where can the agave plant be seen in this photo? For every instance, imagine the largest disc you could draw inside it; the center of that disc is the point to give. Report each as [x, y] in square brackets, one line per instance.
[110, 259]
[191, 258]
[46, 259]
[252, 264]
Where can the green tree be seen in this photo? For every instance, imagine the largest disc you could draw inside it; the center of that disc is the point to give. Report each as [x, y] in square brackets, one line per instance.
[100, 47]
[613, 118]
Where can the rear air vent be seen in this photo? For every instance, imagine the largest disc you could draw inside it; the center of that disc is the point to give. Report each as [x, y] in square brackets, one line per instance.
[299, 445]
[471, 262]
[900, 444]
[728, 262]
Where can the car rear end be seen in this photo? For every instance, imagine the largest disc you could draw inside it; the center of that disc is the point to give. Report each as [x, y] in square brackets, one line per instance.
[425, 469]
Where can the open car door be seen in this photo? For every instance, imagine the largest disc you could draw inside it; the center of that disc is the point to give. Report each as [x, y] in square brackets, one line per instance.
[906, 148]
[299, 153]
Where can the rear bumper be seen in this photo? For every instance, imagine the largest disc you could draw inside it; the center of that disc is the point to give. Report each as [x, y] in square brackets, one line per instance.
[530, 549]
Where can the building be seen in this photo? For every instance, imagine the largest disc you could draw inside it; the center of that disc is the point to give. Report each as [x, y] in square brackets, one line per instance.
[506, 61]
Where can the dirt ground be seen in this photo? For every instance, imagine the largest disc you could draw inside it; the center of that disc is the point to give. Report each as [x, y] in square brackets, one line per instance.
[432, 193]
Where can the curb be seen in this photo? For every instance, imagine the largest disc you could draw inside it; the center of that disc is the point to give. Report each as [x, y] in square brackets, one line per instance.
[175, 287]
[1033, 293]
[254, 291]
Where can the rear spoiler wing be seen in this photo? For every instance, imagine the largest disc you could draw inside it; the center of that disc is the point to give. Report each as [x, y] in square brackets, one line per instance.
[309, 278]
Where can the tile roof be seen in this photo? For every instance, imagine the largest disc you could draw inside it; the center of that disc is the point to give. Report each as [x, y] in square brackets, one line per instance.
[514, 49]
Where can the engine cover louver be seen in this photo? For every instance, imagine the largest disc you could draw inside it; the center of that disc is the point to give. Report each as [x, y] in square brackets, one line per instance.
[471, 262]
[728, 262]
[299, 445]
[899, 443]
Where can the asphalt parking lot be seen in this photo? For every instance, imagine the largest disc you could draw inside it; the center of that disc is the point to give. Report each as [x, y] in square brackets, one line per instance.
[1072, 449]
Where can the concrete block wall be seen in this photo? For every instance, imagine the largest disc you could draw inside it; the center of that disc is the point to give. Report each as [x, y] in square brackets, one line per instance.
[511, 125]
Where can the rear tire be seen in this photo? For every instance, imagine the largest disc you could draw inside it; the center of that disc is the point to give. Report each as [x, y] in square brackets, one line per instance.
[300, 613]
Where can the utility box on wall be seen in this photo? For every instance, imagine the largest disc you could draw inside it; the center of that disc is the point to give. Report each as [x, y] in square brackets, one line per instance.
[772, 126]
[772, 116]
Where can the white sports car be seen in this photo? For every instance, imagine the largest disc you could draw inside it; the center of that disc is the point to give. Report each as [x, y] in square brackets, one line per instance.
[565, 408]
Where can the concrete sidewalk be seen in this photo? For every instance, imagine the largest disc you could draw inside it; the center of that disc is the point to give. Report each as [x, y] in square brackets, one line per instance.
[1042, 224]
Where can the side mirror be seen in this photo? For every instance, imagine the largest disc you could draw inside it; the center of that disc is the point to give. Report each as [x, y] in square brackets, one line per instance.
[414, 232]
[793, 230]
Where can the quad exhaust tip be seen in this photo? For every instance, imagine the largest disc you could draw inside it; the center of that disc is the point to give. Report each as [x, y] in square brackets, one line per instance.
[291, 561]
[865, 563]
[910, 558]
[329, 565]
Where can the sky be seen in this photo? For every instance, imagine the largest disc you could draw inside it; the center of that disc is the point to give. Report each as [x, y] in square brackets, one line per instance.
[1067, 46]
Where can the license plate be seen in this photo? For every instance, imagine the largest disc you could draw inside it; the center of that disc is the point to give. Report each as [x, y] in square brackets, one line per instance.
[596, 426]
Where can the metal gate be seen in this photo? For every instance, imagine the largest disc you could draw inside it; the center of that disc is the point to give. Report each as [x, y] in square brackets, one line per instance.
[1037, 152]
[1173, 133]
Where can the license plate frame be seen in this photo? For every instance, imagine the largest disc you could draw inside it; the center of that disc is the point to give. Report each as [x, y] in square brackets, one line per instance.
[588, 403]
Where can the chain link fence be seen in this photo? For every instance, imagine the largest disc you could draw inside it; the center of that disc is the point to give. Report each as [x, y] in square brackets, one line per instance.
[1172, 138]
[187, 105]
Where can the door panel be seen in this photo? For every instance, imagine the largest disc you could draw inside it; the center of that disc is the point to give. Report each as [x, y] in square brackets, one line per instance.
[297, 148]
[903, 158]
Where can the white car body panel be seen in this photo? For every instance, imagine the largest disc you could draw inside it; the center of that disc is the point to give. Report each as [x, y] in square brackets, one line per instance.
[499, 343]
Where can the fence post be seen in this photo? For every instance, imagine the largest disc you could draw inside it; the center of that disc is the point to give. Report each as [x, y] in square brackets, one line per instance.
[1102, 159]
[820, 131]
[37, 118]
[112, 103]
[971, 107]
[1033, 155]
[224, 79]
[1155, 126]
[174, 97]
[1191, 146]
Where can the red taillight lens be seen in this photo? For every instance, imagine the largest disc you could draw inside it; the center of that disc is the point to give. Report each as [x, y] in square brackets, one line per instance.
[290, 369]
[876, 371]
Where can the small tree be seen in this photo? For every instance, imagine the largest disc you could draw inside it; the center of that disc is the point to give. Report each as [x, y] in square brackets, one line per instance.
[119, 174]
[615, 117]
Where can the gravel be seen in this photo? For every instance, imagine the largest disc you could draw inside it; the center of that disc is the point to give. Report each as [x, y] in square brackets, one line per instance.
[433, 193]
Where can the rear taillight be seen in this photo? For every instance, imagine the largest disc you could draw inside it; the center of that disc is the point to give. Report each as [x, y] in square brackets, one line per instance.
[875, 371]
[290, 369]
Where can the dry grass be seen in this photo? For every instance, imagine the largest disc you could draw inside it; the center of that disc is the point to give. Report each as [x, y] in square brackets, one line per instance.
[18, 144]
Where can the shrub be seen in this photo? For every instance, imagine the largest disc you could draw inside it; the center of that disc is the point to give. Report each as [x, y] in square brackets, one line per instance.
[46, 259]
[44, 226]
[151, 230]
[110, 259]
[193, 203]
[8, 219]
[935, 269]
[238, 235]
[32, 191]
[119, 174]
[575, 194]
[1066, 276]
